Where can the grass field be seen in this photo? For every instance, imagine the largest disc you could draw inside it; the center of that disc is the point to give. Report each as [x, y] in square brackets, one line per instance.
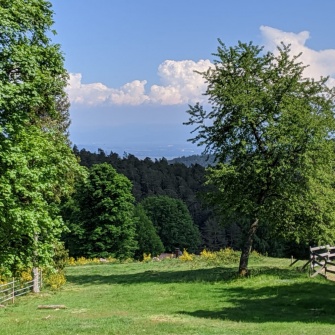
[174, 297]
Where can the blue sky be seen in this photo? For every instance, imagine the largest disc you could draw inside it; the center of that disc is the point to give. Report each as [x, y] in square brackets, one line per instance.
[132, 62]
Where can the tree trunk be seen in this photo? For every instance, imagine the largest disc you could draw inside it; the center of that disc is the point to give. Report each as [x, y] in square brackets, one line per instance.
[243, 268]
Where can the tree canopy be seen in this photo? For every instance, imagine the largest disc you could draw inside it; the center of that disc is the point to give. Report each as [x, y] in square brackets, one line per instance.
[173, 223]
[271, 130]
[100, 216]
[37, 166]
[146, 236]
[184, 182]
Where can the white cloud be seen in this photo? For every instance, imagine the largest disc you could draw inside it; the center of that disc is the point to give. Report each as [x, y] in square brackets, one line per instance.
[321, 63]
[180, 84]
[129, 94]
[97, 93]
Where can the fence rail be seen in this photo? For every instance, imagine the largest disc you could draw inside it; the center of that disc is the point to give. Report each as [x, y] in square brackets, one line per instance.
[321, 260]
[16, 288]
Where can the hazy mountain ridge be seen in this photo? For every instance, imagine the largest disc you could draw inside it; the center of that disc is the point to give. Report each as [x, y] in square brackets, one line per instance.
[203, 160]
[168, 152]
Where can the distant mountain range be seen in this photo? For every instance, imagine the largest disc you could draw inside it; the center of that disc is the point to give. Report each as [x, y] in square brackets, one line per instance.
[203, 160]
[150, 150]
[185, 154]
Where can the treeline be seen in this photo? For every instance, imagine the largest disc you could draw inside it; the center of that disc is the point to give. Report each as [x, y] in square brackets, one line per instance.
[175, 181]
[170, 183]
[203, 160]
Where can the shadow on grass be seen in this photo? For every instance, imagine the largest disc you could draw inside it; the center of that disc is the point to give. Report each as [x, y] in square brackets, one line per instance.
[208, 275]
[291, 297]
[299, 302]
[198, 275]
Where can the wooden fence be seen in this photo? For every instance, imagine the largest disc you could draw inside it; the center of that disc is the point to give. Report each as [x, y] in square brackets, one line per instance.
[16, 288]
[321, 261]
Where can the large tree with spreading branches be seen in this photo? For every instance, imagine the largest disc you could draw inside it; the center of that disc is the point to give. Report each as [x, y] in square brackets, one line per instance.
[271, 130]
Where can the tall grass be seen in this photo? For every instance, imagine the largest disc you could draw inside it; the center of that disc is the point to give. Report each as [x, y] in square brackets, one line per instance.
[176, 296]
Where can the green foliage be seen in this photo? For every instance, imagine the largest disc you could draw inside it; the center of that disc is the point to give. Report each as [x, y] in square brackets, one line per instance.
[146, 236]
[203, 160]
[93, 261]
[32, 75]
[54, 280]
[157, 178]
[173, 223]
[37, 167]
[61, 256]
[100, 216]
[214, 235]
[271, 129]
[223, 256]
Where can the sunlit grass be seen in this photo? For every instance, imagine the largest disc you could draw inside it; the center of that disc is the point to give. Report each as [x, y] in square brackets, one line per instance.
[179, 297]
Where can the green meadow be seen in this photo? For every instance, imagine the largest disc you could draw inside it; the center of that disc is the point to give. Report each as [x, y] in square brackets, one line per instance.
[175, 297]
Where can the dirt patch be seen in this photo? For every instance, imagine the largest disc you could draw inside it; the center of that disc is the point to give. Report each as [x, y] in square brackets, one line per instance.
[331, 276]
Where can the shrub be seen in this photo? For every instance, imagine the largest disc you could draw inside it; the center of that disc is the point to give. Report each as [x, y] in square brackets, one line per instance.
[112, 260]
[223, 256]
[54, 280]
[207, 255]
[26, 275]
[146, 258]
[228, 255]
[85, 261]
[71, 261]
[186, 257]
[61, 256]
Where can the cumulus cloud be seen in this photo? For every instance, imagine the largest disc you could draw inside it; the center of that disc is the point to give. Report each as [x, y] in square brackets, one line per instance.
[181, 84]
[95, 94]
[321, 63]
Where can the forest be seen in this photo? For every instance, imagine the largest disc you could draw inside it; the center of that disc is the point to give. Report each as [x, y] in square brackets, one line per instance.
[179, 179]
[167, 198]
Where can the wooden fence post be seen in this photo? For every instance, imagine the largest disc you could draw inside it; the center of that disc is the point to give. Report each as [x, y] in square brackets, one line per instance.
[13, 290]
[36, 286]
[36, 271]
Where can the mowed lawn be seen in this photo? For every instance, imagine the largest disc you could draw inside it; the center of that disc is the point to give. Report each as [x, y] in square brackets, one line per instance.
[175, 297]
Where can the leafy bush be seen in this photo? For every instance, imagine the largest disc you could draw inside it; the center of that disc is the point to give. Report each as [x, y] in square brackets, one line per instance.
[223, 256]
[146, 258]
[26, 275]
[61, 256]
[54, 279]
[186, 257]
[87, 261]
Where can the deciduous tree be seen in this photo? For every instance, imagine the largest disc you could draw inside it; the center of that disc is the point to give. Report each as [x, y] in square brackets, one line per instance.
[101, 216]
[271, 130]
[37, 167]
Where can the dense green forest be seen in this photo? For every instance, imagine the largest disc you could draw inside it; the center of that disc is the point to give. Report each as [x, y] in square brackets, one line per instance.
[203, 160]
[177, 179]
[160, 177]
